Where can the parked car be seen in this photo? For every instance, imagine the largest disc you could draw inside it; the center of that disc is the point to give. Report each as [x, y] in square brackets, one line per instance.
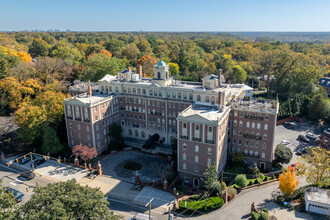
[37, 163]
[289, 124]
[302, 146]
[303, 138]
[327, 131]
[310, 135]
[301, 151]
[18, 195]
[27, 175]
[285, 142]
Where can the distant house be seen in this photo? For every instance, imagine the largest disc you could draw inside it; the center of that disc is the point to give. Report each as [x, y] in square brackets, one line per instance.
[317, 200]
[248, 91]
[325, 82]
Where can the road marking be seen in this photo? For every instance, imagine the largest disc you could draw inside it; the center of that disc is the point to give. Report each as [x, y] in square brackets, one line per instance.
[13, 183]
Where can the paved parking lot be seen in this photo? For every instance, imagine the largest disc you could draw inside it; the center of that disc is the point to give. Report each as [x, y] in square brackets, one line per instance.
[283, 133]
[160, 198]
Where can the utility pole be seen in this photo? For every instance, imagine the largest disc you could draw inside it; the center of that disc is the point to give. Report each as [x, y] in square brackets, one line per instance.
[32, 165]
[149, 203]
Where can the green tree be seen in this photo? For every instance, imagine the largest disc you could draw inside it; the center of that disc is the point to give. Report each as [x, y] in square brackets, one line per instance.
[319, 107]
[238, 75]
[63, 51]
[131, 52]
[50, 141]
[66, 200]
[7, 203]
[100, 64]
[39, 48]
[283, 154]
[174, 69]
[116, 137]
[211, 179]
[241, 180]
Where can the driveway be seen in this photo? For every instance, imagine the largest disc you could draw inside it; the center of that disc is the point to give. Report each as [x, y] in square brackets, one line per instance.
[153, 167]
[240, 207]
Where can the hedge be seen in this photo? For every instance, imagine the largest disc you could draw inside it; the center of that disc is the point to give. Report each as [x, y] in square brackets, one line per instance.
[208, 204]
[255, 216]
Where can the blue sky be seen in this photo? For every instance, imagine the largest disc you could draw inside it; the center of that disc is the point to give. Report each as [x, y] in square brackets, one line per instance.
[170, 15]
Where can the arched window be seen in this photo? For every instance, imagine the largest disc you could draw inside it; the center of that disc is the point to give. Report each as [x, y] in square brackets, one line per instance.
[256, 154]
[184, 166]
[134, 91]
[184, 146]
[209, 150]
[266, 127]
[240, 123]
[207, 99]
[235, 123]
[142, 134]
[198, 98]
[251, 153]
[258, 126]
[253, 125]
[184, 156]
[212, 100]
[265, 136]
[246, 152]
[209, 162]
[196, 148]
[247, 124]
[196, 159]
[251, 144]
[263, 155]
[240, 133]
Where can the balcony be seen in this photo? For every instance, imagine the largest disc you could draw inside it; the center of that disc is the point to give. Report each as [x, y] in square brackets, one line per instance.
[184, 137]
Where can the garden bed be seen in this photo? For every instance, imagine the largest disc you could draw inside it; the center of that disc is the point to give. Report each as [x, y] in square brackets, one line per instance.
[133, 166]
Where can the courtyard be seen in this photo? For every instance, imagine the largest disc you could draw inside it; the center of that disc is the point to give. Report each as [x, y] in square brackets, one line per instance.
[151, 167]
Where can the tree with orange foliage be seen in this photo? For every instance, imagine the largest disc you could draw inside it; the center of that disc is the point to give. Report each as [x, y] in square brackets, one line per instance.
[105, 52]
[288, 182]
[147, 63]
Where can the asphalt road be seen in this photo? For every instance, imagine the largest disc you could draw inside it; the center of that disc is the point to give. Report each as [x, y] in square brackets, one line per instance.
[9, 178]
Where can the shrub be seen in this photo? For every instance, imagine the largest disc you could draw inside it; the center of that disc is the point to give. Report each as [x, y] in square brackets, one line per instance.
[241, 180]
[232, 192]
[250, 182]
[256, 181]
[223, 186]
[262, 177]
[274, 177]
[265, 210]
[209, 204]
[264, 216]
[195, 197]
[280, 200]
[255, 216]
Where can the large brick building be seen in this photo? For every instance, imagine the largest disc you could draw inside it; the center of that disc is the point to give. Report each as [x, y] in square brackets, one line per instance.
[198, 115]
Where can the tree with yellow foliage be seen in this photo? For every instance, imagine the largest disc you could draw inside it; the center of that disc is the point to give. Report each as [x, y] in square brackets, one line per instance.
[288, 182]
[316, 167]
[147, 63]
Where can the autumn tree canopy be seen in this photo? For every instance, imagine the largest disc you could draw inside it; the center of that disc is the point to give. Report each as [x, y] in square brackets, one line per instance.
[84, 152]
[288, 182]
[147, 62]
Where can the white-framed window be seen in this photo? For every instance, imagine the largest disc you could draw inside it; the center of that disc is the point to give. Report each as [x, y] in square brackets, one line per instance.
[235, 123]
[263, 155]
[234, 132]
[196, 159]
[256, 154]
[186, 179]
[265, 136]
[258, 126]
[257, 145]
[247, 124]
[266, 117]
[253, 125]
[196, 149]
[209, 151]
[266, 127]
[196, 169]
[264, 146]
[210, 129]
[235, 113]
[240, 133]
[240, 123]
[184, 166]
[88, 137]
[247, 143]
[197, 127]
[209, 162]
[184, 156]
[184, 125]
[251, 144]
[184, 146]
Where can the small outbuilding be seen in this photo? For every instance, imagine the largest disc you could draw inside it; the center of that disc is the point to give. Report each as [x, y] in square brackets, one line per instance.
[318, 200]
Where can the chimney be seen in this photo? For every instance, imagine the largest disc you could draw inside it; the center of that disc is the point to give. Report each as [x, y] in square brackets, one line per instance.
[219, 76]
[129, 69]
[139, 70]
[89, 90]
[220, 99]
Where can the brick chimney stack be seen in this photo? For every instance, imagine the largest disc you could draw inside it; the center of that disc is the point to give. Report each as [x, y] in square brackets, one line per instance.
[139, 70]
[219, 76]
[90, 90]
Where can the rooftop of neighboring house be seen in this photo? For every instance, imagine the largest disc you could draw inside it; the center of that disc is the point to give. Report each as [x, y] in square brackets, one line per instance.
[325, 82]
[89, 100]
[80, 85]
[262, 106]
[210, 112]
[319, 195]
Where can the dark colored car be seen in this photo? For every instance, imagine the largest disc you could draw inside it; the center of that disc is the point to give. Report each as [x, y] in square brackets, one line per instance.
[303, 138]
[27, 175]
[37, 163]
[17, 194]
[301, 151]
[289, 124]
